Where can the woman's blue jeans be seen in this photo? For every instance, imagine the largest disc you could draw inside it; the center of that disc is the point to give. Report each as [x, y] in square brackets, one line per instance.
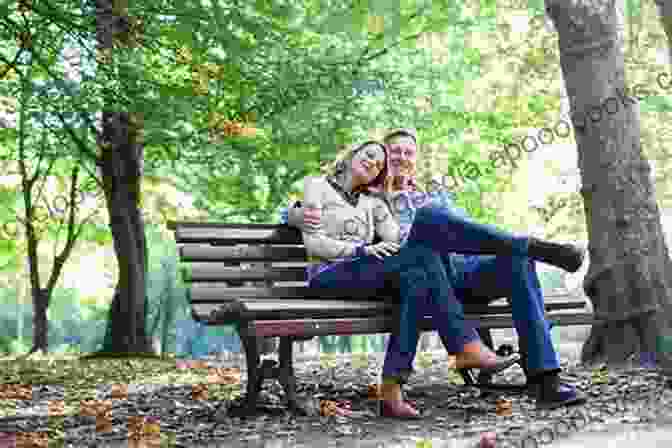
[424, 290]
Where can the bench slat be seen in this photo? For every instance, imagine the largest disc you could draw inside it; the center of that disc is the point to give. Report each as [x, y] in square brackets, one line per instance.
[200, 293]
[345, 327]
[280, 309]
[216, 273]
[205, 293]
[223, 234]
[191, 253]
[269, 309]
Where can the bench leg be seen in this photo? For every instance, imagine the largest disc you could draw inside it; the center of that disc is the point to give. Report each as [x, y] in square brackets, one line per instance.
[485, 381]
[286, 373]
[468, 374]
[486, 337]
[254, 376]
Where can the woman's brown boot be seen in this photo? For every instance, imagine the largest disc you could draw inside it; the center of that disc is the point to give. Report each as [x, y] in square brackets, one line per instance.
[392, 403]
[476, 356]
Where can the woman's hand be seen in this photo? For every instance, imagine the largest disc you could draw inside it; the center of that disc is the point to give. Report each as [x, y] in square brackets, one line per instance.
[312, 217]
[382, 249]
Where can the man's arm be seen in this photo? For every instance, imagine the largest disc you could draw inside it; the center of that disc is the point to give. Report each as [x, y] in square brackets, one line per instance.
[298, 216]
[441, 197]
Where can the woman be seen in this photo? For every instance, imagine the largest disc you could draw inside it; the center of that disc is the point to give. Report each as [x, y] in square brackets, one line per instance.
[341, 246]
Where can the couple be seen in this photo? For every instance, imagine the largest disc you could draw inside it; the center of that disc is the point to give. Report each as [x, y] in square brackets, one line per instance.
[420, 243]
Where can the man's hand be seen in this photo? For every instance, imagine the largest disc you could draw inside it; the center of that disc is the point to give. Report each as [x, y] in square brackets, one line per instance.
[382, 249]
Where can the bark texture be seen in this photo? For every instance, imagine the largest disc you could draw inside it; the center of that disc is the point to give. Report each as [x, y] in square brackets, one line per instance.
[628, 279]
[121, 165]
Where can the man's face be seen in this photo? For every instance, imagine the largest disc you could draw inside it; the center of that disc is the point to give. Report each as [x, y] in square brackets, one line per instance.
[403, 156]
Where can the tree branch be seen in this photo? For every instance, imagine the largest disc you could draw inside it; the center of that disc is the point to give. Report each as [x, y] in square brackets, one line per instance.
[62, 257]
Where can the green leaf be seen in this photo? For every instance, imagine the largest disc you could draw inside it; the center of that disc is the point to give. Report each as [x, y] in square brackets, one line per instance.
[96, 233]
[658, 103]
[9, 258]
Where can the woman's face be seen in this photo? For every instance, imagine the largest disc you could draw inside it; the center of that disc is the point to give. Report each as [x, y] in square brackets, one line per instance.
[367, 163]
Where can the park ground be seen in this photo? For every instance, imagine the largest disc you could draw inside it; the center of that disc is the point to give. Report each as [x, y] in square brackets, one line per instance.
[625, 404]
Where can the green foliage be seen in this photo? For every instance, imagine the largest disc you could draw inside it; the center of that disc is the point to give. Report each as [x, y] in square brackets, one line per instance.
[288, 70]
[292, 67]
[658, 103]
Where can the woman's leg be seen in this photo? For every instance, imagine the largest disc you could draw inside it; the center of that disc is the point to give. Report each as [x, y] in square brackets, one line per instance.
[448, 232]
[421, 280]
[441, 305]
[458, 335]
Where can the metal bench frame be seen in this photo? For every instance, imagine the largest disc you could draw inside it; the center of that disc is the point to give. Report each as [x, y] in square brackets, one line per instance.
[298, 313]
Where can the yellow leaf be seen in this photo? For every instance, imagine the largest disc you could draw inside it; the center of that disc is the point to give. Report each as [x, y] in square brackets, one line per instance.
[454, 377]
[360, 360]
[425, 360]
[423, 443]
[376, 24]
[327, 360]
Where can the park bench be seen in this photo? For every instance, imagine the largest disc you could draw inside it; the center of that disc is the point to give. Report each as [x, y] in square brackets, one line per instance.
[216, 259]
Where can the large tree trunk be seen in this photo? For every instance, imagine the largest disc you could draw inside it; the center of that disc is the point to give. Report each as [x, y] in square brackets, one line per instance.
[628, 279]
[121, 166]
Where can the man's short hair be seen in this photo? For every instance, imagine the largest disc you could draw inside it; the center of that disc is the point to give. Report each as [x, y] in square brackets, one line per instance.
[401, 132]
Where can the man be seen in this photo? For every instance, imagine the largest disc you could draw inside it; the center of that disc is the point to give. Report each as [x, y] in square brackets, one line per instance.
[486, 278]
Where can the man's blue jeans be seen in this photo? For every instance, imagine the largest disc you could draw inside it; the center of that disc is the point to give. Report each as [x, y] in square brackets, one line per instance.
[424, 290]
[446, 231]
[510, 274]
[483, 279]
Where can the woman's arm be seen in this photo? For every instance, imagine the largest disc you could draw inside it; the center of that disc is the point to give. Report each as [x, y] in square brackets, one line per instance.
[314, 237]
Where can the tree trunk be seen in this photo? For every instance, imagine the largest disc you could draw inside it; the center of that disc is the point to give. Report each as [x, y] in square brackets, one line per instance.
[121, 166]
[41, 296]
[628, 279]
[40, 323]
[121, 178]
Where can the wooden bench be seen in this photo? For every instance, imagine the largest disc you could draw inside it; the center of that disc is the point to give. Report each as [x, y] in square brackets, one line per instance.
[216, 259]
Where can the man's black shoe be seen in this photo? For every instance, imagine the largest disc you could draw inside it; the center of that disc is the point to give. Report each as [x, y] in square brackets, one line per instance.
[551, 393]
[565, 256]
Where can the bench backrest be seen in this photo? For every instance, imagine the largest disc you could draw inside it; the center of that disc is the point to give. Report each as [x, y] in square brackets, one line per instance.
[266, 254]
[253, 258]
